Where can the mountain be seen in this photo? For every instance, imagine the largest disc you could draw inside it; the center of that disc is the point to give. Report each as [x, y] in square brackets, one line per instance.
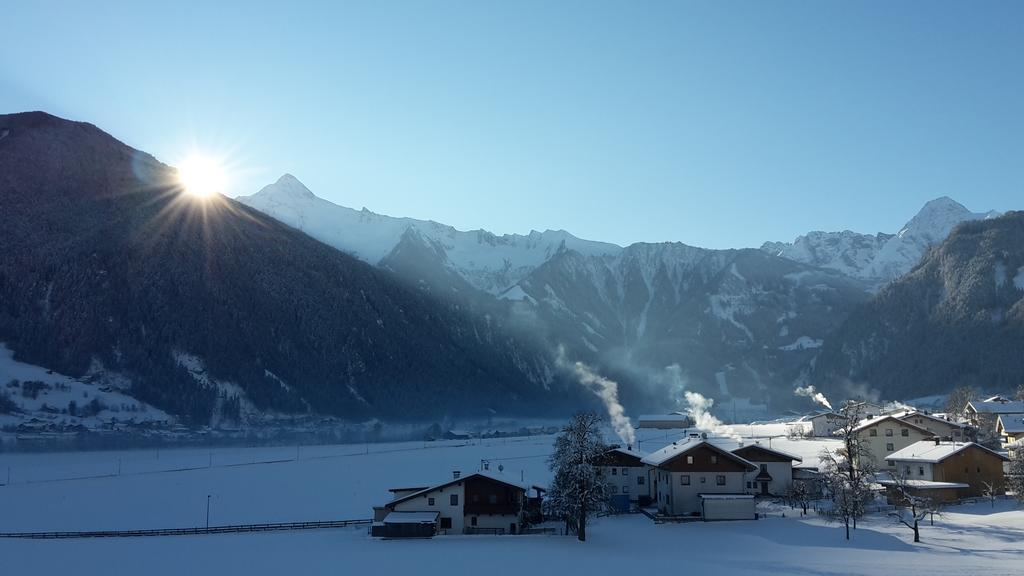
[878, 258]
[486, 261]
[956, 319]
[110, 272]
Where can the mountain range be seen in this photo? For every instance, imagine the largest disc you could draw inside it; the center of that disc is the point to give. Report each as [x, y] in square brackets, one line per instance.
[282, 303]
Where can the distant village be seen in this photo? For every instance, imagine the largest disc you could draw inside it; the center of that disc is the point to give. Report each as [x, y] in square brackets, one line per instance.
[910, 459]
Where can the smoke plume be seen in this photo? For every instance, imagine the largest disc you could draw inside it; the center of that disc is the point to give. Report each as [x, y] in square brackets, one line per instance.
[700, 411]
[813, 394]
[608, 391]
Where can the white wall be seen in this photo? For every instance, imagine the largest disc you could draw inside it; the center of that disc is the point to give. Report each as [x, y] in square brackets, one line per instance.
[493, 521]
[915, 470]
[684, 498]
[877, 444]
[442, 504]
[627, 481]
[782, 478]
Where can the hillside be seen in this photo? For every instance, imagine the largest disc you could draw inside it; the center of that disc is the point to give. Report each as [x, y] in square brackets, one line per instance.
[109, 271]
[956, 319]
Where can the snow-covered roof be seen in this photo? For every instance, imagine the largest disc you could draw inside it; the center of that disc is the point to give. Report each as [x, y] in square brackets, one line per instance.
[681, 447]
[483, 473]
[904, 414]
[760, 446]
[926, 484]
[411, 518]
[934, 452]
[1012, 424]
[1000, 406]
[869, 422]
[726, 496]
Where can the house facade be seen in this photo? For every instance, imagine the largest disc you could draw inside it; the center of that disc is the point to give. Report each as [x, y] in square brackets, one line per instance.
[941, 427]
[887, 434]
[774, 473]
[1010, 428]
[983, 413]
[480, 502]
[823, 424]
[946, 470]
[687, 469]
[626, 476]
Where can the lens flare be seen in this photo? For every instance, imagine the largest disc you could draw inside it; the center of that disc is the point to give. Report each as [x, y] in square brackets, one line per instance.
[201, 176]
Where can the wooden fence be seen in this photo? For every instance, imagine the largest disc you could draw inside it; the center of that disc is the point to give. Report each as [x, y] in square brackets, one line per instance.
[271, 527]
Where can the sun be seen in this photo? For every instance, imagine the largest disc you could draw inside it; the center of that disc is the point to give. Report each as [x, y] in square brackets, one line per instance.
[202, 176]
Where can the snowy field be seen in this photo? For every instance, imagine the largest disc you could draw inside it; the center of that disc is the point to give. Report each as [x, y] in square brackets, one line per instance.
[169, 489]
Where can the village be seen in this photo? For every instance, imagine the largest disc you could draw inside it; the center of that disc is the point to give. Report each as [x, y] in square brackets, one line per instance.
[908, 464]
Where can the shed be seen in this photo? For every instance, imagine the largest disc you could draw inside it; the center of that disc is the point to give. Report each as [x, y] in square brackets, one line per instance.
[410, 524]
[727, 507]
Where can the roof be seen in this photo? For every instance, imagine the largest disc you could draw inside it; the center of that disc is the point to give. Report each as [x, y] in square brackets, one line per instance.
[411, 518]
[760, 446]
[926, 484]
[1000, 406]
[914, 414]
[827, 413]
[1012, 424]
[726, 496]
[483, 474]
[678, 448]
[869, 422]
[411, 489]
[930, 452]
[673, 417]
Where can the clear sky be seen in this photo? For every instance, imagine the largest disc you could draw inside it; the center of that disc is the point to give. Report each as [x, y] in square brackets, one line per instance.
[719, 124]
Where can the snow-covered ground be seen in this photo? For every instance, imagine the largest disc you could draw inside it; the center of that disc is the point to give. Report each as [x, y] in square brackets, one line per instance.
[344, 481]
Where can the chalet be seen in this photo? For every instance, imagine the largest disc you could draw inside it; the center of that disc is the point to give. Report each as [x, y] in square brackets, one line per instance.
[672, 421]
[481, 502]
[942, 427]
[983, 413]
[887, 434]
[774, 474]
[824, 423]
[945, 470]
[626, 476]
[694, 477]
[1010, 428]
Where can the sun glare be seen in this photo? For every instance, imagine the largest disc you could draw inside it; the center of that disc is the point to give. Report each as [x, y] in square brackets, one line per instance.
[201, 176]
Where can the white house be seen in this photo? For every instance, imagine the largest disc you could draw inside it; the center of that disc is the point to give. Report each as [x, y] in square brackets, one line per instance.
[687, 469]
[824, 423]
[941, 427]
[626, 475]
[774, 474]
[1010, 428]
[946, 470]
[887, 434]
[985, 412]
[481, 502]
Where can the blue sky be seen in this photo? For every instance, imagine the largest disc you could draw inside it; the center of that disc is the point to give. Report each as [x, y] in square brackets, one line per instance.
[718, 124]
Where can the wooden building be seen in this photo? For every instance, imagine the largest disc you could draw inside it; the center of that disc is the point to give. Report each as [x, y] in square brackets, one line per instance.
[945, 470]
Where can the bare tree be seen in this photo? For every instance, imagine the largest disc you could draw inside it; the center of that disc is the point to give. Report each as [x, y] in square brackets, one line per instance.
[990, 491]
[848, 470]
[911, 508]
[959, 398]
[799, 494]
[578, 491]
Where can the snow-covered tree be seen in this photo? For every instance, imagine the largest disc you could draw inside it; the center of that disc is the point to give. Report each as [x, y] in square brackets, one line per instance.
[1015, 476]
[911, 509]
[848, 470]
[799, 495]
[956, 403]
[577, 490]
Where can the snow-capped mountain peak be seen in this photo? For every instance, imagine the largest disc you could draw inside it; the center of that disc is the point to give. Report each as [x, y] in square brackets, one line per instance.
[487, 261]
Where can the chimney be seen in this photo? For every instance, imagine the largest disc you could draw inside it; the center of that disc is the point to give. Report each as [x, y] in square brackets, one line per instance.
[937, 441]
[456, 474]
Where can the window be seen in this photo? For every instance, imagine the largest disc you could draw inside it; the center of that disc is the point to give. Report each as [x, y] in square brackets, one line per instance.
[684, 480]
[906, 470]
[454, 499]
[625, 471]
[920, 470]
[689, 459]
[703, 480]
[889, 447]
[472, 521]
[639, 480]
[446, 523]
[890, 463]
[430, 501]
[979, 469]
[750, 484]
[888, 431]
[905, 432]
[764, 468]
[720, 480]
[492, 499]
[615, 471]
[714, 459]
[874, 432]
[625, 489]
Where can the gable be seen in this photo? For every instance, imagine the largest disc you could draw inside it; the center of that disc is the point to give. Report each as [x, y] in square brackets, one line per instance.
[760, 454]
[618, 458]
[706, 458]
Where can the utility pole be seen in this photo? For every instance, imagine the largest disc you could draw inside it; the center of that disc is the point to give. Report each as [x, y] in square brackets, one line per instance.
[208, 511]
